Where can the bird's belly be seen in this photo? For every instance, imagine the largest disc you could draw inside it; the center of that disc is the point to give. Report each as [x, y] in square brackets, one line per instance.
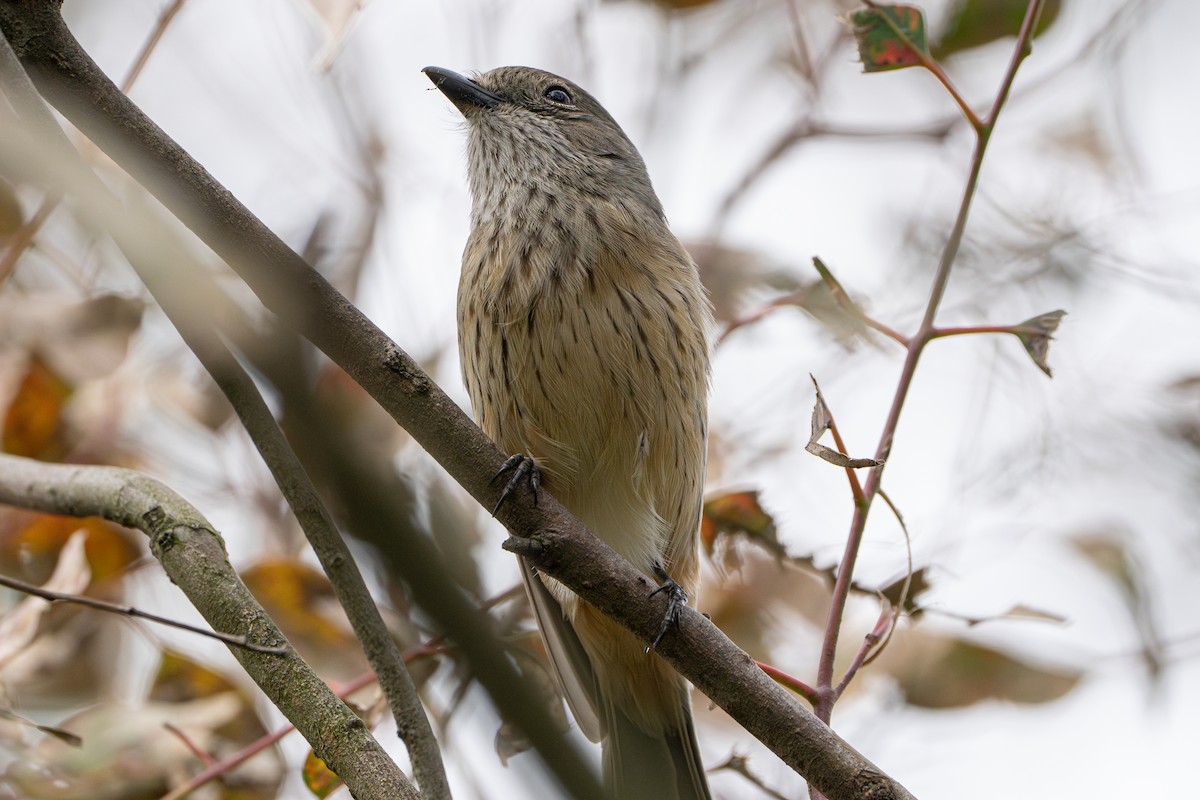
[565, 383]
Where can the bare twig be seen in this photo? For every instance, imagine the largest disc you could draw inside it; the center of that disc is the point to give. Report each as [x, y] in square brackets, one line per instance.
[902, 600]
[917, 342]
[741, 765]
[130, 611]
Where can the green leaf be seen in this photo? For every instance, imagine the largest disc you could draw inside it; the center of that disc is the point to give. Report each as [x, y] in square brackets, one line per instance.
[974, 23]
[889, 36]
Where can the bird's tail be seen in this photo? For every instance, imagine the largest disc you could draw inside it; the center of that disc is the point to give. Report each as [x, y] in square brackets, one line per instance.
[653, 766]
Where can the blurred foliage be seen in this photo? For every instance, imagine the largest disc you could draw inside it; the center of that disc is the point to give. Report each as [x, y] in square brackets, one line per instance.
[71, 392]
[142, 752]
[11, 215]
[974, 23]
[301, 601]
[33, 423]
[937, 671]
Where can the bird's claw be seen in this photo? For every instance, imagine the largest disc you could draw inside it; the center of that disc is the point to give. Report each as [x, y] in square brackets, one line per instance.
[521, 466]
[676, 599]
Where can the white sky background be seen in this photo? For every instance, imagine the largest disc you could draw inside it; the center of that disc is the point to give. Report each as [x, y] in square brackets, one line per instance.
[995, 467]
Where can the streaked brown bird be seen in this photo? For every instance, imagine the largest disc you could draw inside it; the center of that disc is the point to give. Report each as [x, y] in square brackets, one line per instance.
[583, 332]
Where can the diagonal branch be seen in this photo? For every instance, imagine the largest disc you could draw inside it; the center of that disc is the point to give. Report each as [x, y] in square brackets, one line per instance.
[193, 555]
[136, 613]
[557, 543]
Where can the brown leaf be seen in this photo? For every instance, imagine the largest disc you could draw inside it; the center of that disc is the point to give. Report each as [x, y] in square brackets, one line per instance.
[737, 514]
[840, 459]
[78, 340]
[1035, 336]
[822, 420]
[181, 680]
[30, 544]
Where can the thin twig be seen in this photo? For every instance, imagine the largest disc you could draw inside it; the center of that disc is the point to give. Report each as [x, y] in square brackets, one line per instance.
[160, 27]
[130, 611]
[195, 749]
[740, 764]
[824, 708]
[902, 600]
[940, 333]
[882, 626]
[928, 63]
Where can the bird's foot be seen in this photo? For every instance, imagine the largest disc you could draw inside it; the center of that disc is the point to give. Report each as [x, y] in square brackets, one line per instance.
[676, 599]
[521, 467]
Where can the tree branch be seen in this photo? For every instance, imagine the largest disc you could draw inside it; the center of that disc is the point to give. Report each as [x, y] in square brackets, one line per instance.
[193, 556]
[556, 542]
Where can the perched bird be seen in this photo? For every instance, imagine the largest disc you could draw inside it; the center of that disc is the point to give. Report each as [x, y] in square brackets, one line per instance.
[583, 332]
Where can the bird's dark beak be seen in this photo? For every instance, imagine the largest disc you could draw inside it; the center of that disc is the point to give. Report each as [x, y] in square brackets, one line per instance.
[462, 91]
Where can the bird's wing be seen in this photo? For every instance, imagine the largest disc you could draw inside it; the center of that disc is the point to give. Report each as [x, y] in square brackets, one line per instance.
[568, 661]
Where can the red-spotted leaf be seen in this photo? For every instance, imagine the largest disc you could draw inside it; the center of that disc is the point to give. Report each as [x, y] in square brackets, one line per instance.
[889, 36]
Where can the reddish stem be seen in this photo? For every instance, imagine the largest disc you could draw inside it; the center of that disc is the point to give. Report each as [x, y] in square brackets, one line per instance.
[826, 697]
[784, 679]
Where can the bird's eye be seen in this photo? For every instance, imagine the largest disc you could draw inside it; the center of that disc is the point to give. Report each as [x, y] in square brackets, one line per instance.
[557, 94]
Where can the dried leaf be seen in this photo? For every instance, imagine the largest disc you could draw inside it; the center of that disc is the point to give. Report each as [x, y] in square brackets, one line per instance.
[127, 754]
[1035, 336]
[30, 545]
[916, 587]
[879, 46]
[77, 340]
[822, 420]
[1109, 554]
[840, 459]
[20, 625]
[737, 514]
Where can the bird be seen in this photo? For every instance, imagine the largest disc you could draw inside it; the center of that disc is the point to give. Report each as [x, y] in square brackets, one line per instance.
[584, 341]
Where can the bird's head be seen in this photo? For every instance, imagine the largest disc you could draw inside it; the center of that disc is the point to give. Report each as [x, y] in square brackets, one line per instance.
[530, 127]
